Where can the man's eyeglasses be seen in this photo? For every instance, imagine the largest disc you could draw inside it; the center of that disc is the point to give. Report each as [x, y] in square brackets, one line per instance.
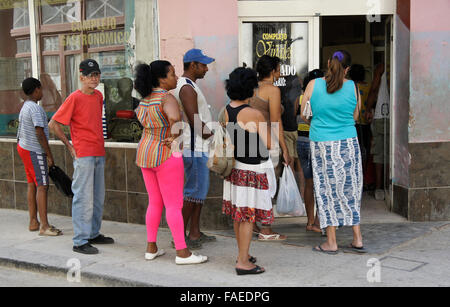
[93, 75]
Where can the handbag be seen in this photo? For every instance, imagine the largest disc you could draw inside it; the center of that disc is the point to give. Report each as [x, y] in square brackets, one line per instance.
[62, 182]
[221, 155]
[307, 112]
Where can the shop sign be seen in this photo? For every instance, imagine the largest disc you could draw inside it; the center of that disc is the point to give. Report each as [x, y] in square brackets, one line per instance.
[105, 34]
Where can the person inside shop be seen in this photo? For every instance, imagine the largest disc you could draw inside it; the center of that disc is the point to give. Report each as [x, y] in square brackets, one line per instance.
[378, 114]
[357, 74]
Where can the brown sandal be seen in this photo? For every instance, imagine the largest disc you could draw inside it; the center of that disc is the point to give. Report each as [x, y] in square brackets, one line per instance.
[51, 231]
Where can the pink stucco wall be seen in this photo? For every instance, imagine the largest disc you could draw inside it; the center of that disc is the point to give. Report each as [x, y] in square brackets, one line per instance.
[210, 25]
[430, 72]
[428, 17]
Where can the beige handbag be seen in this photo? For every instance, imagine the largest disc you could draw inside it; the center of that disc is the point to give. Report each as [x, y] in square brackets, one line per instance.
[221, 156]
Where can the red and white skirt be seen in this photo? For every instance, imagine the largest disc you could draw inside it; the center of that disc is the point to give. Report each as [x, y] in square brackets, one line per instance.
[248, 192]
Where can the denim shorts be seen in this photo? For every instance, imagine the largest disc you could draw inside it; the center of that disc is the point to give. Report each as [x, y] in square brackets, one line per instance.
[196, 174]
[304, 155]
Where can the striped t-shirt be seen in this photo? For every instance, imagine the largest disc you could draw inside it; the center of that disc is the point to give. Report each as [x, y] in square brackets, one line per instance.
[151, 152]
[31, 116]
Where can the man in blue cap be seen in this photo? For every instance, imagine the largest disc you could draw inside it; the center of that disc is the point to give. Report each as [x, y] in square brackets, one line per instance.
[196, 113]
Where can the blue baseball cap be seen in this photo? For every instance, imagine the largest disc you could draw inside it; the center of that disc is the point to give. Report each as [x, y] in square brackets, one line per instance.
[196, 55]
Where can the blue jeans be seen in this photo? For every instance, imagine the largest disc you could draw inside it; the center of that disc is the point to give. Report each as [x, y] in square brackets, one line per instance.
[304, 155]
[88, 187]
[196, 173]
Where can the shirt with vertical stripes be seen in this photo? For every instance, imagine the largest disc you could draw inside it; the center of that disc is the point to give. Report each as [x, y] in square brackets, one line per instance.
[151, 152]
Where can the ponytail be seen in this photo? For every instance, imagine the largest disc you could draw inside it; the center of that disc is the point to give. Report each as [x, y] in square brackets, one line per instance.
[147, 76]
[339, 61]
[143, 80]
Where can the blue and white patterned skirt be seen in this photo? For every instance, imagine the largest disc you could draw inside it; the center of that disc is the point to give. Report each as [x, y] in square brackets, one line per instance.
[338, 182]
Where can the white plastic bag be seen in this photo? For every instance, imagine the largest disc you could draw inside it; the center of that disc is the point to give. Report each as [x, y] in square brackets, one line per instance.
[289, 200]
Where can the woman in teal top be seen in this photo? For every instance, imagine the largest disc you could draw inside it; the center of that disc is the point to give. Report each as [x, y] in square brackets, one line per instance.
[336, 158]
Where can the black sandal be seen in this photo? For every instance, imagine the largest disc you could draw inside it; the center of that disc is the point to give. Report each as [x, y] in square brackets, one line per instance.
[251, 259]
[255, 270]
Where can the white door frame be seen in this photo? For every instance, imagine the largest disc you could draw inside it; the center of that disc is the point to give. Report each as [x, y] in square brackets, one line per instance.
[315, 8]
[310, 11]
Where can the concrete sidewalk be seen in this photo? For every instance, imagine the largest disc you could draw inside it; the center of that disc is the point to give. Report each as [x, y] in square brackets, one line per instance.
[410, 254]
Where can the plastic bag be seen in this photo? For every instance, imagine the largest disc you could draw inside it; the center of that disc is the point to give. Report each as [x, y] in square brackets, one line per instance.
[289, 200]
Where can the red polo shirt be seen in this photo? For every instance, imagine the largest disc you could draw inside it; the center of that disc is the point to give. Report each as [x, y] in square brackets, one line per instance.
[83, 113]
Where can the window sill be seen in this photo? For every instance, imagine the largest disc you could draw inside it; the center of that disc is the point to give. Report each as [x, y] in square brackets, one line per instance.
[108, 144]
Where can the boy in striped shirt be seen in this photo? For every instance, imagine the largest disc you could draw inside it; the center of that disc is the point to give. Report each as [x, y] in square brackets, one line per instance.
[34, 150]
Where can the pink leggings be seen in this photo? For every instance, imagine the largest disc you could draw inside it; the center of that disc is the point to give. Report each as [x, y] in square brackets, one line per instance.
[164, 185]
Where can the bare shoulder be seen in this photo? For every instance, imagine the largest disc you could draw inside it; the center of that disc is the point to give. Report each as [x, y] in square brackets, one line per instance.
[169, 98]
[310, 87]
[272, 89]
[251, 114]
[187, 90]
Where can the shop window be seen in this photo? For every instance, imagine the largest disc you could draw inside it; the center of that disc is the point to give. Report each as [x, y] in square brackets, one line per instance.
[51, 43]
[104, 8]
[52, 67]
[54, 13]
[21, 17]
[68, 32]
[23, 45]
[15, 62]
[72, 80]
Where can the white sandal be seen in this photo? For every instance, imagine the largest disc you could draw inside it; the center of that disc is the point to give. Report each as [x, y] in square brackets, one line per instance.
[270, 238]
[150, 256]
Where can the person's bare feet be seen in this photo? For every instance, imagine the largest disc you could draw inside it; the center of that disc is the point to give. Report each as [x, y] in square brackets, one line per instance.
[313, 227]
[34, 225]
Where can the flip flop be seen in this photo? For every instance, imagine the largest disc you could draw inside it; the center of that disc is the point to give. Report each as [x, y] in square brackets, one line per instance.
[255, 270]
[270, 238]
[358, 250]
[321, 250]
[51, 232]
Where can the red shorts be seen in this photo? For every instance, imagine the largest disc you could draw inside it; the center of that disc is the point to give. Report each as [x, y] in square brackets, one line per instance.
[35, 166]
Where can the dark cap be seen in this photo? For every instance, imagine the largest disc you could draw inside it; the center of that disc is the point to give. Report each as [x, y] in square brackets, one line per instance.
[89, 66]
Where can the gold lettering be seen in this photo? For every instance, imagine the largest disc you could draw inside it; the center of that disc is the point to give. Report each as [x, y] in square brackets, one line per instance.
[120, 38]
[113, 23]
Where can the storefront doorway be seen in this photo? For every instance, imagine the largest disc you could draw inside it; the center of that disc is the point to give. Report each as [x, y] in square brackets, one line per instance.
[305, 42]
